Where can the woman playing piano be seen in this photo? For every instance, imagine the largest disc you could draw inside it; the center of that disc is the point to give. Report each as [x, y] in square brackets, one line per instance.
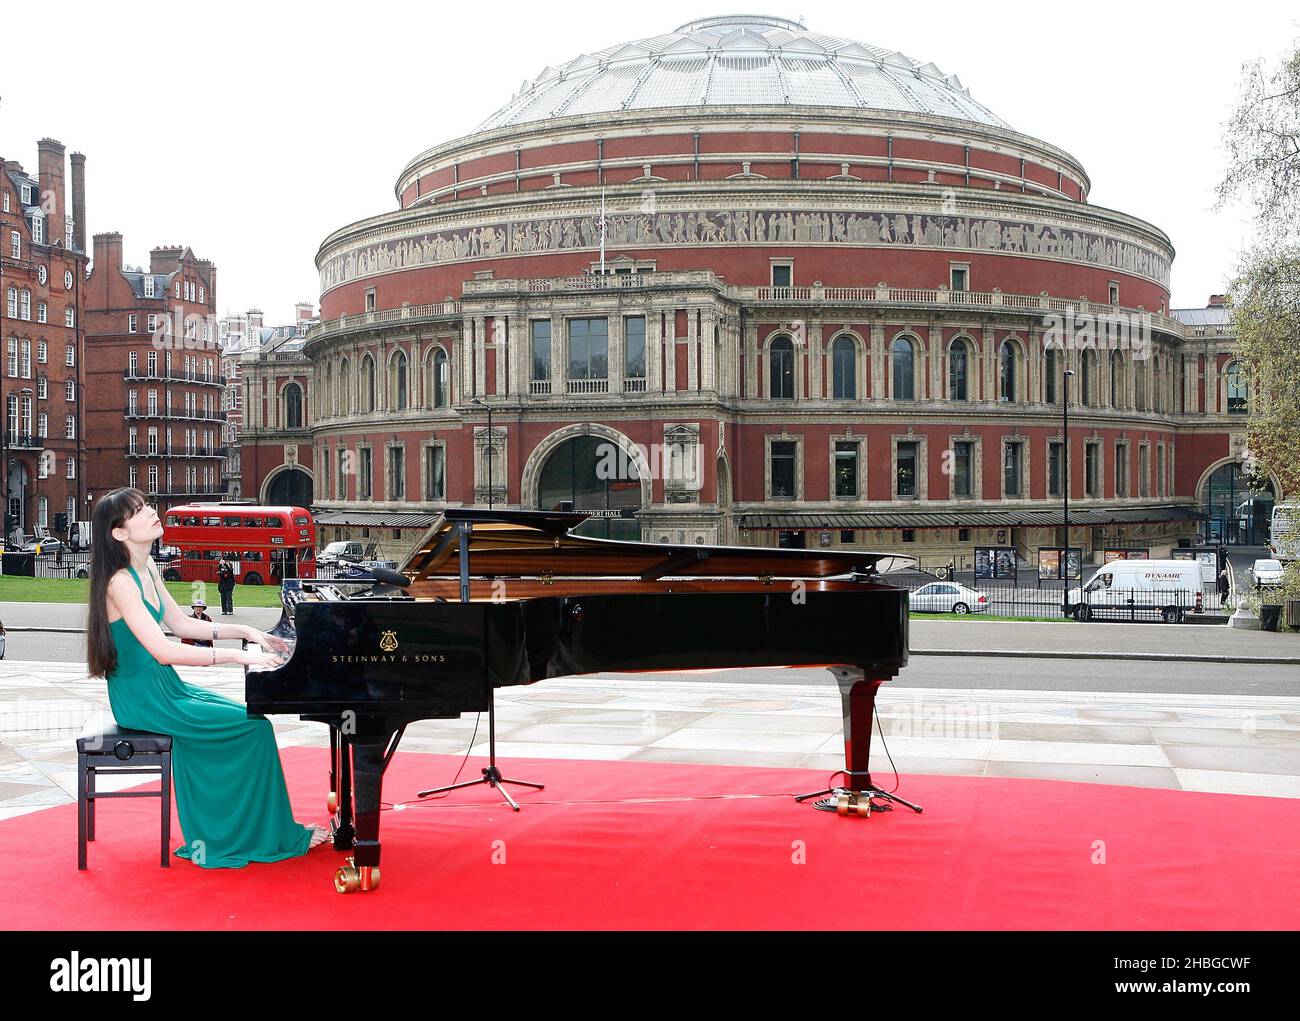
[230, 792]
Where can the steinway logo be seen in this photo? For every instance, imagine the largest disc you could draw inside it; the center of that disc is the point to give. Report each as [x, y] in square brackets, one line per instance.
[388, 644]
[388, 641]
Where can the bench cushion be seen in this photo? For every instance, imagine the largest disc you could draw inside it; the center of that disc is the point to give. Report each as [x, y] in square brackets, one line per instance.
[100, 736]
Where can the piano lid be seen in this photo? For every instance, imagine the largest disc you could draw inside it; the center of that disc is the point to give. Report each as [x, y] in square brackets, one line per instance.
[524, 544]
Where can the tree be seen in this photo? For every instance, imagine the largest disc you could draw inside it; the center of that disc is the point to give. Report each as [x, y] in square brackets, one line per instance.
[1263, 144]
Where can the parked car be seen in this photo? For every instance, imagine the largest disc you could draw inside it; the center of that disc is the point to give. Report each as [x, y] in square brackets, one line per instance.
[1266, 572]
[348, 549]
[1139, 589]
[47, 544]
[947, 597]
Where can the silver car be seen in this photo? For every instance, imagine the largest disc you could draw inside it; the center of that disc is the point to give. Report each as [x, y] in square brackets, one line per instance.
[947, 597]
[1266, 572]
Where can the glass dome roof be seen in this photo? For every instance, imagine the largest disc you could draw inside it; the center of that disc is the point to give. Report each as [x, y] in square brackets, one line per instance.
[740, 60]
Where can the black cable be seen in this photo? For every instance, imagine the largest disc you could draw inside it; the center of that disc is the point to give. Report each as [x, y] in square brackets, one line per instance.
[436, 797]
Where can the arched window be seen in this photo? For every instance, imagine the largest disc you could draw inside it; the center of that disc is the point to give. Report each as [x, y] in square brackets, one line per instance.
[345, 382]
[398, 395]
[1238, 389]
[781, 372]
[293, 406]
[330, 407]
[1116, 379]
[441, 379]
[1051, 375]
[368, 384]
[1007, 372]
[1140, 384]
[903, 360]
[1086, 359]
[959, 371]
[844, 365]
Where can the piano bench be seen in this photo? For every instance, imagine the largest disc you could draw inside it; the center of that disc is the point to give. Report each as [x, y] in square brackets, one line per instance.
[104, 747]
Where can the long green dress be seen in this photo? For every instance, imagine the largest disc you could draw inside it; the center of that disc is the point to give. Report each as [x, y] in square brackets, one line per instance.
[230, 792]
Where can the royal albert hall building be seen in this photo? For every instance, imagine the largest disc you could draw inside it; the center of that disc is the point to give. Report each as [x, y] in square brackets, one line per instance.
[744, 282]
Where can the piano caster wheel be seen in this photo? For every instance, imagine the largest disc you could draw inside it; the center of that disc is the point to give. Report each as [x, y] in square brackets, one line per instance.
[350, 878]
[332, 802]
[846, 803]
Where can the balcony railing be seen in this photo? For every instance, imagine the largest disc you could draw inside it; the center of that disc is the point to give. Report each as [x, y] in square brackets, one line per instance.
[378, 317]
[188, 416]
[26, 441]
[634, 385]
[539, 386]
[145, 376]
[587, 386]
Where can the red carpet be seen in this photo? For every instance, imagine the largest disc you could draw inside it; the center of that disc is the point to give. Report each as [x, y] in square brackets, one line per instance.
[987, 854]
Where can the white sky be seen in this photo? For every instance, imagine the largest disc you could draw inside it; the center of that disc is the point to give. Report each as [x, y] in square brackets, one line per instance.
[249, 131]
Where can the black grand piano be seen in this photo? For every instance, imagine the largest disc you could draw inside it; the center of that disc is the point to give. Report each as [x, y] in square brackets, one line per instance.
[496, 598]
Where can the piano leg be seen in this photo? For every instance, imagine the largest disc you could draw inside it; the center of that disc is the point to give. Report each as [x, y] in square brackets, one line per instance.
[341, 778]
[332, 802]
[369, 757]
[858, 694]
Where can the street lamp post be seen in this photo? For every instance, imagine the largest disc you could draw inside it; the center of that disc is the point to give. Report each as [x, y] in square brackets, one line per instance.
[1065, 482]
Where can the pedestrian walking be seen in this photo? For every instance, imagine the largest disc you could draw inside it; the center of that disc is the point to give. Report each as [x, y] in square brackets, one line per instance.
[1225, 585]
[226, 586]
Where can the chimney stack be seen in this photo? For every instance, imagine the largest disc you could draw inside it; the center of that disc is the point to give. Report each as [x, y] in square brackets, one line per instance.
[78, 162]
[49, 175]
[1218, 300]
[304, 311]
[255, 319]
[108, 252]
[165, 259]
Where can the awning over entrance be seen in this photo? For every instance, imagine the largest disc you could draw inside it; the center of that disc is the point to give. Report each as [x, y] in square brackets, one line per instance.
[377, 519]
[965, 519]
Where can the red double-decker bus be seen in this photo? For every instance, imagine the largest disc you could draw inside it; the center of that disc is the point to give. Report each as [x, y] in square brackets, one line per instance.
[263, 544]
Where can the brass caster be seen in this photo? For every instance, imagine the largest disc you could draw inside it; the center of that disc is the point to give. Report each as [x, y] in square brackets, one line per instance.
[347, 879]
[849, 803]
[350, 878]
[332, 802]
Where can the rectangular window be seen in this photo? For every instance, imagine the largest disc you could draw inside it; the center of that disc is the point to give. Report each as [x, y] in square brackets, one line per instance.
[960, 278]
[905, 478]
[1121, 469]
[13, 356]
[72, 468]
[370, 300]
[396, 473]
[588, 348]
[42, 425]
[153, 402]
[6, 202]
[846, 469]
[963, 535]
[1114, 293]
[153, 440]
[784, 454]
[1092, 470]
[153, 478]
[341, 475]
[151, 363]
[42, 352]
[1144, 470]
[364, 473]
[38, 230]
[847, 536]
[42, 312]
[435, 473]
[42, 388]
[962, 463]
[132, 401]
[27, 359]
[69, 319]
[1011, 454]
[1160, 471]
[1051, 372]
[152, 322]
[25, 305]
[782, 274]
[634, 347]
[540, 339]
[13, 302]
[15, 245]
[148, 285]
[131, 439]
[27, 194]
[70, 390]
[131, 322]
[1055, 463]
[909, 535]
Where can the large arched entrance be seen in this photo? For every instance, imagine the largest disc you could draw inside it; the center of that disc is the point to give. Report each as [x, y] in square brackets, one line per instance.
[593, 474]
[1235, 513]
[290, 488]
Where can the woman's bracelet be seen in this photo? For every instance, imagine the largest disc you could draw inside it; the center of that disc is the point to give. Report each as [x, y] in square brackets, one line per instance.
[214, 630]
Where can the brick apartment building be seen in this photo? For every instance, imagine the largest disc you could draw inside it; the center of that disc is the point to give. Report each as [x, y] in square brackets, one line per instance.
[43, 286]
[155, 389]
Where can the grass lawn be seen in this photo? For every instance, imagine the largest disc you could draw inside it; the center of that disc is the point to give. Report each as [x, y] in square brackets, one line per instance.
[77, 590]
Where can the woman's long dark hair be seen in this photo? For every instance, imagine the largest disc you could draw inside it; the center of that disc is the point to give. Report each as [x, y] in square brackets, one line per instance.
[107, 557]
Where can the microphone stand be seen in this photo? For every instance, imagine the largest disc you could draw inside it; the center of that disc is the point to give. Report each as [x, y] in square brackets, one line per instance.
[491, 774]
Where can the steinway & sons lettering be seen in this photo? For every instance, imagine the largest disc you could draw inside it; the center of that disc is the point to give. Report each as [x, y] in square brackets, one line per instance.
[430, 657]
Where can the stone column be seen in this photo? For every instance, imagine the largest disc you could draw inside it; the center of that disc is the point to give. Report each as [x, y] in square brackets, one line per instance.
[653, 350]
[670, 349]
[708, 350]
[878, 362]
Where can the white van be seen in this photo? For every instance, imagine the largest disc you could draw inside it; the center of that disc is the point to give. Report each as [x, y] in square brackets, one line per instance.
[1139, 590]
